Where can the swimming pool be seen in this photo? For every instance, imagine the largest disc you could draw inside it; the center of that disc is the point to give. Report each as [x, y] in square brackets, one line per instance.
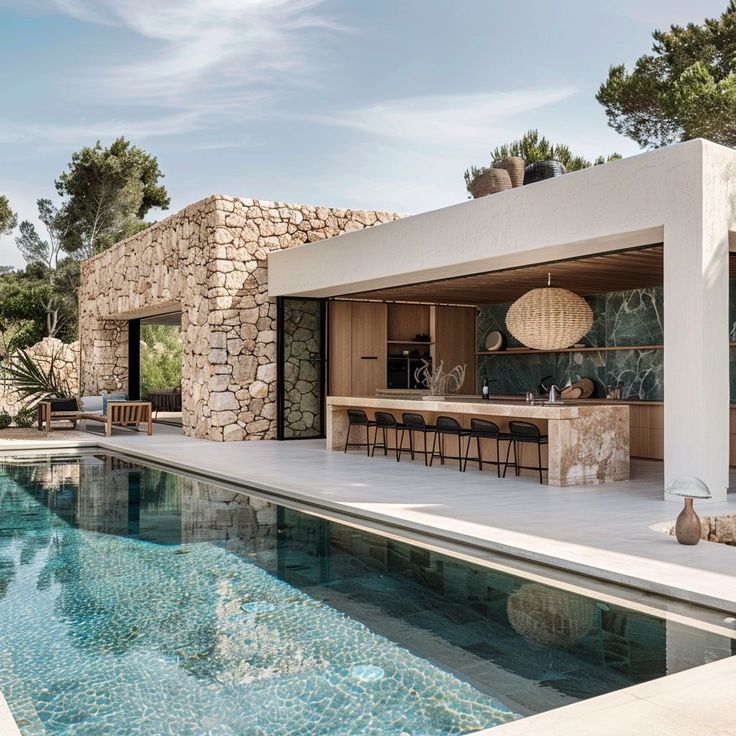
[137, 601]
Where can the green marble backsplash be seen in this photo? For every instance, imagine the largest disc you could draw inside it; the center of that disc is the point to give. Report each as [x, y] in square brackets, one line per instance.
[619, 318]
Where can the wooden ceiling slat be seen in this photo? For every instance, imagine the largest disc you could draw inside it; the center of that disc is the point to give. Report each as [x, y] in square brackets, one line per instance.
[600, 273]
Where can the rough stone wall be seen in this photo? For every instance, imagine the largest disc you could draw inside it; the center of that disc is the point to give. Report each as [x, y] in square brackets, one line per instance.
[66, 369]
[302, 397]
[721, 529]
[210, 261]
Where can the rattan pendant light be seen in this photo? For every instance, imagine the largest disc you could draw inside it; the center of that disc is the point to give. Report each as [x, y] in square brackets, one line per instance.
[549, 318]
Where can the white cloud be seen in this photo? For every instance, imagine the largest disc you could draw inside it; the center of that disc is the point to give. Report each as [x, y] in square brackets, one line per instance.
[205, 60]
[75, 133]
[202, 48]
[446, 120]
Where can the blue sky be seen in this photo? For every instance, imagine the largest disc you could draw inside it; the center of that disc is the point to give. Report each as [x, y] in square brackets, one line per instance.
[379, 104]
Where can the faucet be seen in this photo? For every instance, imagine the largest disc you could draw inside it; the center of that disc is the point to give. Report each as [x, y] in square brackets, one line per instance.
[554, 394]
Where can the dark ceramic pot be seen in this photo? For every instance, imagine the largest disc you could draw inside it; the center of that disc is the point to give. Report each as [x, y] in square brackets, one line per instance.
[543, 170]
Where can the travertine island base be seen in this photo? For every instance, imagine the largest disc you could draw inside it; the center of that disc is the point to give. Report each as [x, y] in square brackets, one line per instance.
[588, 442]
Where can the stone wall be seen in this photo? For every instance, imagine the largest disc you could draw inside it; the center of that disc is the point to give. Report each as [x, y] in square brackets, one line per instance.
[721, 529]
[302, 396]
[210, 261]
[66, 369]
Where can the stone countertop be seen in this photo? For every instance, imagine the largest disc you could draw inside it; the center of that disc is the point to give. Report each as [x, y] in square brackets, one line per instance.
[417, 392]
[468, 405]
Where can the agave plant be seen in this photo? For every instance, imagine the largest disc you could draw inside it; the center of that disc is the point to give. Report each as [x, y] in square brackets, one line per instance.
[31, 380]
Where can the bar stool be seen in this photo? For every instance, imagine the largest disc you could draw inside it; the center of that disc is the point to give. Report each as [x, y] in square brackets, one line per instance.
[484, 429]
[358, 418]
[415, 423]
[385, 421]
[447, 426]
[525, 433]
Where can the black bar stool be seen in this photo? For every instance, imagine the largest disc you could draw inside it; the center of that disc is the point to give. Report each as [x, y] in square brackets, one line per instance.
[358, 418]
[386, 421]
[525, 433]
[447, 426]
[484, 429]
[415, 423]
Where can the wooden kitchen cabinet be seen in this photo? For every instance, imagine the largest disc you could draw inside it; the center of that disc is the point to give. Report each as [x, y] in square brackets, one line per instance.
[357, 350]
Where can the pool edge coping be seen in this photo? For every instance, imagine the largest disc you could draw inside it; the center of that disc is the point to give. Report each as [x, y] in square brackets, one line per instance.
[8, 724]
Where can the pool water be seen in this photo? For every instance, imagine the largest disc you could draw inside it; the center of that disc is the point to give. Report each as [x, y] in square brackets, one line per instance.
[136, 601]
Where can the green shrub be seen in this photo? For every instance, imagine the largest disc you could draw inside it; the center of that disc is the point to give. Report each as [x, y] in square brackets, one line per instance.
[160, 357]
[25, 418]
[5, 420]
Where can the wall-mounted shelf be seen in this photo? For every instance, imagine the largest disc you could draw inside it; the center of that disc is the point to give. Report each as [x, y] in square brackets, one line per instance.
[584, 349]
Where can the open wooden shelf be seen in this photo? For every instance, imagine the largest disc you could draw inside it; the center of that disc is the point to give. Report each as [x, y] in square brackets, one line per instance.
[410, 342]
[584, 349]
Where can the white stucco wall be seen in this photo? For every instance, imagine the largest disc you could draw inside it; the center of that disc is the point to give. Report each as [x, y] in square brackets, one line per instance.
[681, 195]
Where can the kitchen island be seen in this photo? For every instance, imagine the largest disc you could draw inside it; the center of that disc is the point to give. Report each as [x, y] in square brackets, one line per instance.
[588, 441]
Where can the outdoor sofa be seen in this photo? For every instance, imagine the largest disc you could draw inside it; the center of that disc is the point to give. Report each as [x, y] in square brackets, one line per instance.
[112, 412]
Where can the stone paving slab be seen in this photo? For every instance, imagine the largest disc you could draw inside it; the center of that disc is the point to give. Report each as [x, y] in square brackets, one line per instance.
[698, 702]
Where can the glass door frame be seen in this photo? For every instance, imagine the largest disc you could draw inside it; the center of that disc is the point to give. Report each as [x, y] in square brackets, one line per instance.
[134, 359]
[323, 369]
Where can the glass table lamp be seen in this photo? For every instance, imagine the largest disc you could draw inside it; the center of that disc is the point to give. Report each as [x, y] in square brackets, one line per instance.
[687, 526]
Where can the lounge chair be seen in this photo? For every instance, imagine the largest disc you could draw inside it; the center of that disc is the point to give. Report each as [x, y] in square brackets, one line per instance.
[123, 414]
[117, 413]
[51, 410]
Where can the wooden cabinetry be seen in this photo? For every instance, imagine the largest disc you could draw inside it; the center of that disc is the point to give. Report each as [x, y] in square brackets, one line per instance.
[340, 349]
[454, 334]
[646, 425]
[362, 336]
[368, 348]
[406, 323]
[357, 348]
[647, 431]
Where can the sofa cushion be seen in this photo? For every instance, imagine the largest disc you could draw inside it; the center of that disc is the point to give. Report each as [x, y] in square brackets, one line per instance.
[119, 396]
[63, 405]
[92, 404]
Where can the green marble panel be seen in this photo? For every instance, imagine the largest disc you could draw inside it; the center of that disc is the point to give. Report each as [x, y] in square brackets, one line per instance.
[634, 317]
[597, 334]
[640, 373]
[623, 318]
[516, 374]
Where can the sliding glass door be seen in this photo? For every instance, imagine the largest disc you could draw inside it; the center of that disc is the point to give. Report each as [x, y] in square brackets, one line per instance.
[301, 368]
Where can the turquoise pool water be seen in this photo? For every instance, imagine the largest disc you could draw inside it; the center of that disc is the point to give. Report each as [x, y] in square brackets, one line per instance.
[135, 601]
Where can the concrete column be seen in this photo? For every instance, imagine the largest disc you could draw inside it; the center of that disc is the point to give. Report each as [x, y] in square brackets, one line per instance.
[696, 353]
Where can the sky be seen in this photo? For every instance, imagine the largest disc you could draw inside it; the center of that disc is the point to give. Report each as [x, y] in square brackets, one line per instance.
[375, 105]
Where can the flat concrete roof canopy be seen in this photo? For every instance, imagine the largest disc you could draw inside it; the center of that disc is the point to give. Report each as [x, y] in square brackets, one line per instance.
[681, 197]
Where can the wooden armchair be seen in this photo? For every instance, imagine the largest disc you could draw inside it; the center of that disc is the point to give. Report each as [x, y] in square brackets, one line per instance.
[51, 410]
[124, 414]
